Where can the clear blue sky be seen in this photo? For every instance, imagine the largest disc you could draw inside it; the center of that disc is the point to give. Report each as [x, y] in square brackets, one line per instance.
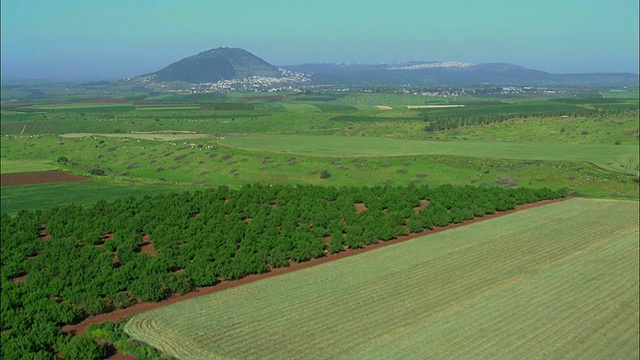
[90, 39]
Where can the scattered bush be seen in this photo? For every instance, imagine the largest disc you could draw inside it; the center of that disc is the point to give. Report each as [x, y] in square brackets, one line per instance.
[325, 174]
[97, 172]
[507, 182]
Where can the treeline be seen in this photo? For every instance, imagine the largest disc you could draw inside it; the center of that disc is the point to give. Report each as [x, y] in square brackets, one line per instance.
[228, 107]
[64, 264]
[448, 123]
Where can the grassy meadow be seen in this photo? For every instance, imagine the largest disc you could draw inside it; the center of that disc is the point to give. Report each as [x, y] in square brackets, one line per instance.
[619, 158]
[521, 286]
[556, 281]
[236, 139]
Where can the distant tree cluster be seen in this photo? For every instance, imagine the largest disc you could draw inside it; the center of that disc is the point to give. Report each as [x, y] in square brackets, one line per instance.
[447, 123]
[61, 265]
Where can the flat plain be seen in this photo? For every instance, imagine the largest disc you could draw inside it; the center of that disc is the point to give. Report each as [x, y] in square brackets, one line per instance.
[557, 281]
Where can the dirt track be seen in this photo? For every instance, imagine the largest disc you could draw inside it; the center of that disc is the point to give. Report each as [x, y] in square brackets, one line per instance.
[41, 177]
[121, 314]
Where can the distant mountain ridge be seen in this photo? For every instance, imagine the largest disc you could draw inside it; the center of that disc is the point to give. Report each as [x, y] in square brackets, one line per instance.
[235, 64]
[453, 73]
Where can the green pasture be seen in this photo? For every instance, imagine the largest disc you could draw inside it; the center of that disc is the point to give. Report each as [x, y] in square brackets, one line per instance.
[210, 162]
[618, 158]
[21, 166]
[44, 196]
[558, 281]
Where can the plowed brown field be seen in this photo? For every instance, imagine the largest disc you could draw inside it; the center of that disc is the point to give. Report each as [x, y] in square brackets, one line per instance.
[42, 177]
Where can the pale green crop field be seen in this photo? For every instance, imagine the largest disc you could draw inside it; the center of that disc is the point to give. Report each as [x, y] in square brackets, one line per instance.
[619, 158]
[557, 281]
[20, 166]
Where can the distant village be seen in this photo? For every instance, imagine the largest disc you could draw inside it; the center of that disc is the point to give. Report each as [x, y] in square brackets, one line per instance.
[299, 82]
[287, 81]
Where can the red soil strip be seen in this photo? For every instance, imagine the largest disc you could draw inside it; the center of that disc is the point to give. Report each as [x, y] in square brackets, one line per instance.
[41, 177]
[121, 314]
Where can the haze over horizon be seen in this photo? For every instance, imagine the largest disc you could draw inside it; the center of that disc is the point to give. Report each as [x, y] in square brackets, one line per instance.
[80, 40]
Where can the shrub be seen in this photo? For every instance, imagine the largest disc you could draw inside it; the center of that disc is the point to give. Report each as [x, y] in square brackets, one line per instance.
[325, 174]
[62, 160]
[83, 347]
[98, 172]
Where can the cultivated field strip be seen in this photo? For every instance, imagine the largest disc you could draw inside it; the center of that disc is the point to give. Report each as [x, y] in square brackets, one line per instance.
[556, 281]
[618, 158]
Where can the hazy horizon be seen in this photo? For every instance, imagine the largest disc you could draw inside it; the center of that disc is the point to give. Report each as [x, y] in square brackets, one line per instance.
[76, 40]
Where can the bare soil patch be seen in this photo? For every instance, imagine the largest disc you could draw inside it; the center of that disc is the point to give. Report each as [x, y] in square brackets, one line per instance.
[114, 354]
[422, 206]
[106, 237]
[382, 107]
[41, 177]
[42, 233]
[121, 314]
[360, 208]
[147, 246]
[19, 279]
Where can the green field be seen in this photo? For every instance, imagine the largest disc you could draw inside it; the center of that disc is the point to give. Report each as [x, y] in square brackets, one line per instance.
[618, 158]
[558, 281]
[44, 196]
[210, 162]
[21, 166]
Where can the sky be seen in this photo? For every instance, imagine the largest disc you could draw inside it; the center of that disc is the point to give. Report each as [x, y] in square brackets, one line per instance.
[103, 40]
